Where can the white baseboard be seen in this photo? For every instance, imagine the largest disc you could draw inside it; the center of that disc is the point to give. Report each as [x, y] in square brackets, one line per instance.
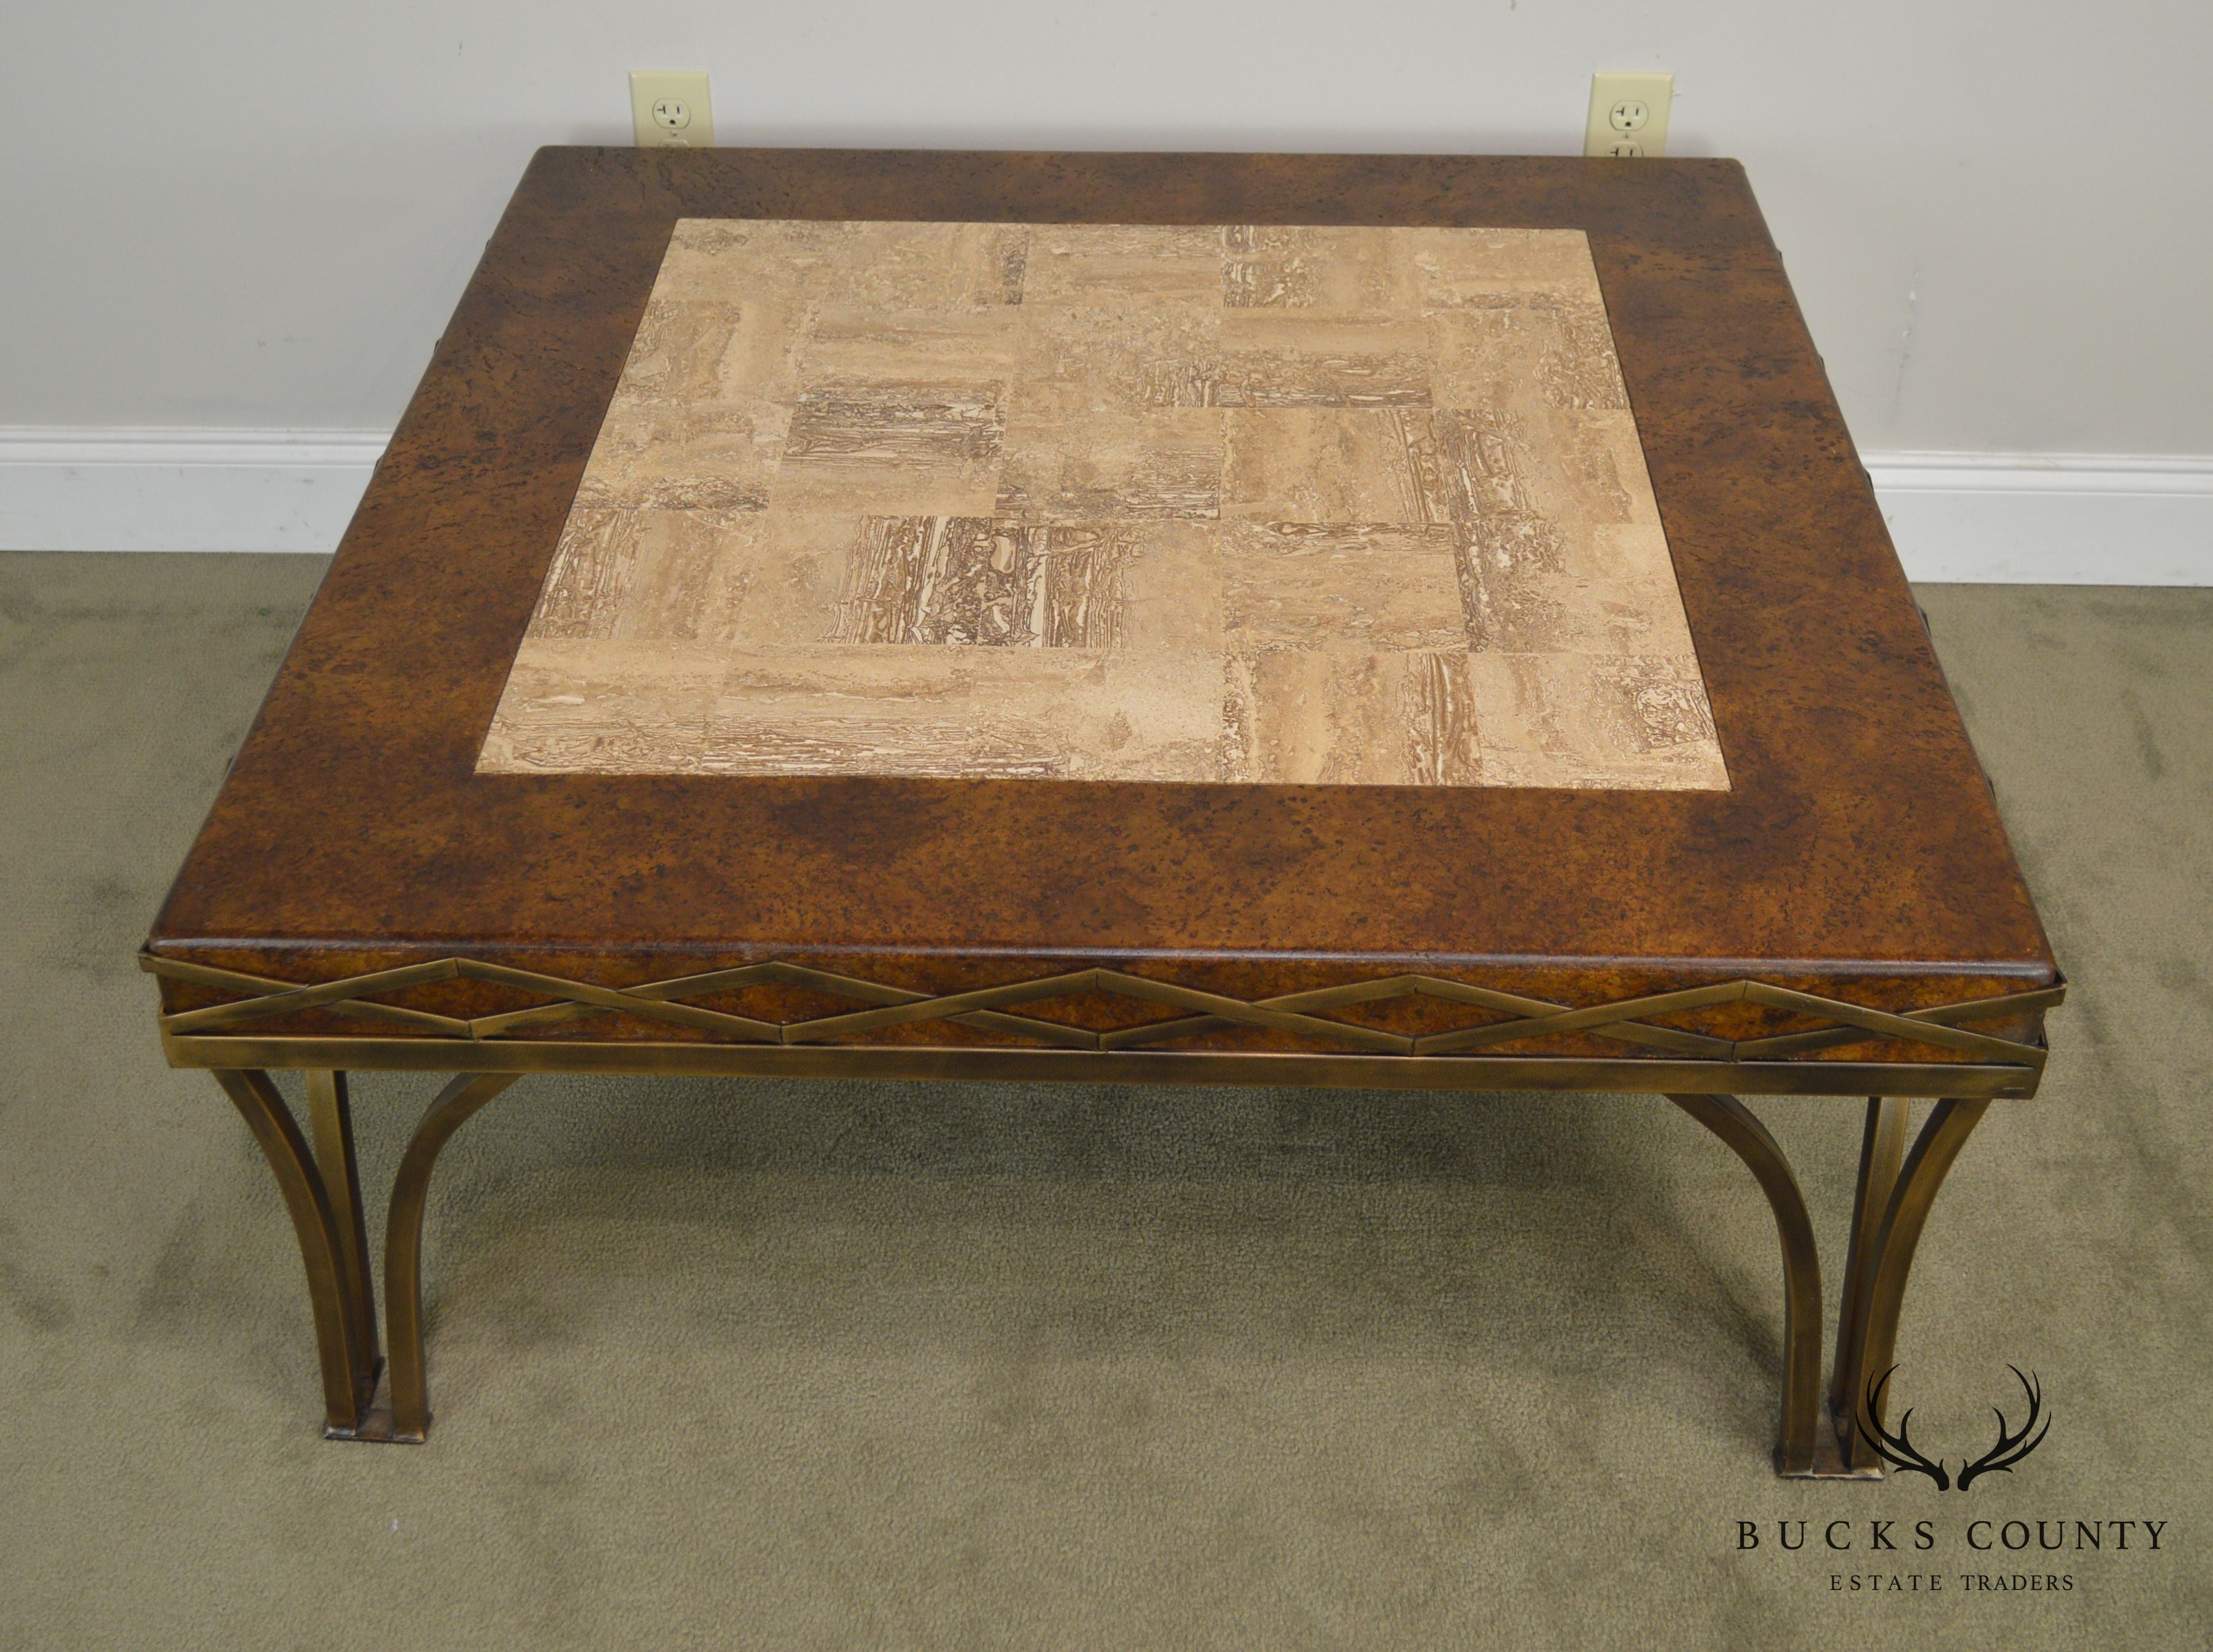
[2087, 519]
[155, 489]
[2049, 519]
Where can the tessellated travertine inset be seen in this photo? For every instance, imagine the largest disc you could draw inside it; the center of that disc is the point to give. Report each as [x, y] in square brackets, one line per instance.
[1215, 504]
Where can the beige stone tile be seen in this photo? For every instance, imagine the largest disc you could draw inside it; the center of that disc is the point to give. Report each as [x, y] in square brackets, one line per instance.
[1596, 721]
[1536, 586]
[847, 347]
[722, 260]
[584, 589]
[1079, 361]
[622, 708]
[1302, 267]
[1557, 556]
[1487, 357]
[1620, 475]
[898, 413]
[1108, 466]
[640, 573]
[1578, 367]
[1321, 588]
[1563, 466]
[800, 581]
[1121, 266]
[929, 266]
[892, 449]
[1580, 471]
[1524, 358]
[699, 353]
[1303, 358]
[885, 485]
[1640, 604]
[1172, 586]
[1335, 717]
[976, 582]
[1354, 465]
[1455, 268]
[598, 706]
[777, 584]
[684, 456]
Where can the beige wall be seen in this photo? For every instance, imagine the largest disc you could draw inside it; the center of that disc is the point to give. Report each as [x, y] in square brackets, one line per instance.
[238, 213]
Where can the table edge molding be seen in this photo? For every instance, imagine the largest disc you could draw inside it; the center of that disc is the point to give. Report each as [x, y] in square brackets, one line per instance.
[196, 1034]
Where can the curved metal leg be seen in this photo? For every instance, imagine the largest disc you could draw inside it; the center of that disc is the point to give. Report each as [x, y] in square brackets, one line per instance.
[1882, 1148]
[1800, 1435]
[1934, 1150]
[403, 1245]
[329, 1116]
[349, 1366]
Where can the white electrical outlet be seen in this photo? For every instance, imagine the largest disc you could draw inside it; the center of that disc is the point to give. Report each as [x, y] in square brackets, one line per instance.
[1629, 115]
[670, 110]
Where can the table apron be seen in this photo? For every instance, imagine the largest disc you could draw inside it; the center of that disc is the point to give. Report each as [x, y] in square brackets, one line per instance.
[887, 1061]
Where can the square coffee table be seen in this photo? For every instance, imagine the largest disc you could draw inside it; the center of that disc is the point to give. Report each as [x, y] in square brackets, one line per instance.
[1368, 621]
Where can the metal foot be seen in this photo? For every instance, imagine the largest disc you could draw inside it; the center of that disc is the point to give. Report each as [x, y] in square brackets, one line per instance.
[375, 1427]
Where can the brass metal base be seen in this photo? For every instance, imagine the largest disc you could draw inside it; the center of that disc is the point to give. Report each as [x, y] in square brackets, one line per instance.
[367, 1399]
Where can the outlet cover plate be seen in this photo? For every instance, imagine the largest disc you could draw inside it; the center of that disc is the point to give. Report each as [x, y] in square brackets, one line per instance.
[669, 109]
[1629, 115]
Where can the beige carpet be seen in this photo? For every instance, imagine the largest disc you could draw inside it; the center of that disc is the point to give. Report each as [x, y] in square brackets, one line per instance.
[800, 1365]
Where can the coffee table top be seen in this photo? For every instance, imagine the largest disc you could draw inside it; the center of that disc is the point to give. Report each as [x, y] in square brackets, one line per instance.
[1773, 783]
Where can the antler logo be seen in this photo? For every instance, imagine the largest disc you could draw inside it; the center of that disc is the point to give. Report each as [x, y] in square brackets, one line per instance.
[1897, 1449]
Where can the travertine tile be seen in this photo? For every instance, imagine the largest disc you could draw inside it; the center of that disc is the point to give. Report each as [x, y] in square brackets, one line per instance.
[873, 709]
[931, 266]
[852, 346]
[1296, 358]
[1577, 367]
[1344, 717]
[1552, 558]
[1487, 357]
[1298, 267]
[1130, 586]
[981, 581]
[722, 260]
[1524, 356]
[1080, 361]
[1103, 466]
[888, 446]
[1619, 475]
[699, 353]
[1228, 503]
[777, 583]
[1456, 268]
[1121, 266]
[640, 573]
[1172, 587]
[684, 456]
[1338, 589]
[1311, 465]
[1595, 719]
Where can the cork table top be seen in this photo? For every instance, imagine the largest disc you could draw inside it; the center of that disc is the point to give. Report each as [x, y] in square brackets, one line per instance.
[1333, 570]
[1206, 503]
